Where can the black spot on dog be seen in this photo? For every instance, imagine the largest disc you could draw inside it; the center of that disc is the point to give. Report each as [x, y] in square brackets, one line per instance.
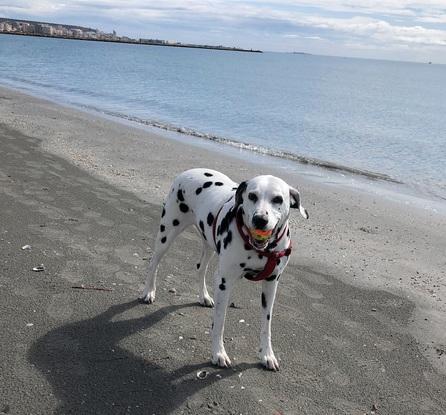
[210, 219]
[218, 184]
[260, 256]
[204, 236]
[249, 275]
[162, 228]
[163, 240]
[263, 300]
[163, 212]
[222, 286]
[212, 326]
[198, 266]
[206, 185]
[198, 191]
[218, 247]
[184, 208]
[242, 264]
[268, 317]
[278, 261]
[272, 278]
[234, 188]
[288, 233]
[227, 240]
[225, 222]
[175, 222]
[201, 224]
[180, 195]
[272, 245]
[249, 257]
[248, 247]
[208, 174]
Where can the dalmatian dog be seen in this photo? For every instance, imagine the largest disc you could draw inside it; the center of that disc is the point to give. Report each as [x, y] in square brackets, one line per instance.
[246, 225]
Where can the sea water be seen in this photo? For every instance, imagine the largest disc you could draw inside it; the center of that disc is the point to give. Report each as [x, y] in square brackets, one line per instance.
[380, 119]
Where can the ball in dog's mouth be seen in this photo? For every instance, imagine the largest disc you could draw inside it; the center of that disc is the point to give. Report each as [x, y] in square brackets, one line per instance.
[260, 237]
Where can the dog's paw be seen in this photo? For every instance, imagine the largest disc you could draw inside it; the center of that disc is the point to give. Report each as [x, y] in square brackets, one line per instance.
[221, 359]
[148, 298]
[269, 361]
[207, 301]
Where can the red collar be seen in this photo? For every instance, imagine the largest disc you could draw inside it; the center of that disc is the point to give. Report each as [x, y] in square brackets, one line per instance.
[272, 256]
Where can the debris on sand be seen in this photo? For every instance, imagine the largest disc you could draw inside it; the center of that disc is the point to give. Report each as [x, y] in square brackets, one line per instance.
[367, 229]
[39, 268]
[91, 287]
[202, 374]
[440, 351]
[26, 247]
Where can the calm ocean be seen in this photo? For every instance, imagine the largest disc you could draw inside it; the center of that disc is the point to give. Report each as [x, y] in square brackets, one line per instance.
[387, 118]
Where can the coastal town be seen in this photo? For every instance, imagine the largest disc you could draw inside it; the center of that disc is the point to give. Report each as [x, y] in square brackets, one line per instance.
[55, 30]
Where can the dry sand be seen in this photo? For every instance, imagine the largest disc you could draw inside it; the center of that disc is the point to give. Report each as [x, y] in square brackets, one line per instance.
[359, 319]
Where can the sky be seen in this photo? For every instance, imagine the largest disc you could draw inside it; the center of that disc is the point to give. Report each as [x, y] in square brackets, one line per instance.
[387, 29]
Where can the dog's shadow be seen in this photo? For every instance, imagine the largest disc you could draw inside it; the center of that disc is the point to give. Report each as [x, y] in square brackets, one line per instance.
[90, 372]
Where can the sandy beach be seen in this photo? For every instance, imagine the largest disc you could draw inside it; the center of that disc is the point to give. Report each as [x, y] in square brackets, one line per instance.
[360, 315]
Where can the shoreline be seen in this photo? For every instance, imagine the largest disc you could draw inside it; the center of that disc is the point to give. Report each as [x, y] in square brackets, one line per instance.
[371, 182]
[360, 313]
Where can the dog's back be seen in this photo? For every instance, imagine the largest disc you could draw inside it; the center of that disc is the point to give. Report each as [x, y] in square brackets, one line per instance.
[200, 187]
[194, 198]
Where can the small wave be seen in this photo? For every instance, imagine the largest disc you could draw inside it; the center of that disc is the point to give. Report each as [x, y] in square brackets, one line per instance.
[250, 147]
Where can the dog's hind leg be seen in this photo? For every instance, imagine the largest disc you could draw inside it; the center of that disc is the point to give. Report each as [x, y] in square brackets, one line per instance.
[206, 255]
[173, 222]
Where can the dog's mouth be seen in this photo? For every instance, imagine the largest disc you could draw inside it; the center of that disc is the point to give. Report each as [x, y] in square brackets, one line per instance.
[260, 238]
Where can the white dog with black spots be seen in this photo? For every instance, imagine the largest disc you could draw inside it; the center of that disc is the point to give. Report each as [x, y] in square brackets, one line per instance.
[247, 226]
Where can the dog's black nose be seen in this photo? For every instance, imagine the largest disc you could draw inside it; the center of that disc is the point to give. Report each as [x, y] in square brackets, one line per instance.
[259, 221]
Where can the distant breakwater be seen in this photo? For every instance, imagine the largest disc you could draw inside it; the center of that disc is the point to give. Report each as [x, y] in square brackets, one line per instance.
[138, 42]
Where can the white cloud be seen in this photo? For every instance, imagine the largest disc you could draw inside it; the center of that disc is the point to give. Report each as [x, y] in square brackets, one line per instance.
[379, 30]
[313, 37]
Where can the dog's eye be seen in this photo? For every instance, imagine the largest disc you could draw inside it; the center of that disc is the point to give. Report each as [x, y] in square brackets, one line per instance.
[278, 200]
[252, 197]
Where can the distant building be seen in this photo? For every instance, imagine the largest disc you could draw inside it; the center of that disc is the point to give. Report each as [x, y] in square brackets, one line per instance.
[5, 27]
[45, 29]
[77, 32]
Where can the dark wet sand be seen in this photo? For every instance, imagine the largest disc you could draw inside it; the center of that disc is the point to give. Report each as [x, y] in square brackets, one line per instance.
[343, 348]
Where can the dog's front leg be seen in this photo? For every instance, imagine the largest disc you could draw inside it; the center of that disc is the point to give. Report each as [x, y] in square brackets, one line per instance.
[222, 291]
[266, 353]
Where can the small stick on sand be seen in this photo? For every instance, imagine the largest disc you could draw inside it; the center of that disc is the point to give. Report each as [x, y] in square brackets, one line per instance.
[91, 287]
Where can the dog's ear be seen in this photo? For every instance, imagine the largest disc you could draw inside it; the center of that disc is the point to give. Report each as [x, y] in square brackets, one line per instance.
[295, 202]
[239, 193]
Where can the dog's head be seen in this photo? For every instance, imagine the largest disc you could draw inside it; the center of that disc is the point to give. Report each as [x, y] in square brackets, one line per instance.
[265, 202]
